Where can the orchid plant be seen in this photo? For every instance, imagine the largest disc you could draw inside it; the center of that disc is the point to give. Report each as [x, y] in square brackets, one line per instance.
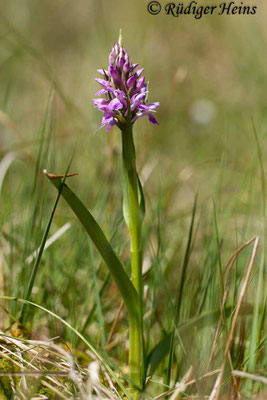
[125, 94]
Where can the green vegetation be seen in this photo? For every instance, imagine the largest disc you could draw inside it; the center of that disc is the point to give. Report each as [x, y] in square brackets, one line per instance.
[64, 327]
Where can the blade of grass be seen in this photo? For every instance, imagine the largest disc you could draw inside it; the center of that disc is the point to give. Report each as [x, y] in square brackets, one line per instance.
[97, 297]
[88, 344]
[5, 163]
[91, 313]
[50, 241]
[34, 229]
[47, 70]
[45, 123]
[207, 318]
[179, 294]
[216, 389]
[255, 331]
[40, 250]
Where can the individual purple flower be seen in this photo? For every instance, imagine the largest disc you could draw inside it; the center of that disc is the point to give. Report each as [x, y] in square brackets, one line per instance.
[125, 91]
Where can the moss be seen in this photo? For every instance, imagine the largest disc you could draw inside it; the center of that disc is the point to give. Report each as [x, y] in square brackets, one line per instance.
[47, 392]
[5, 381]
[20, 331]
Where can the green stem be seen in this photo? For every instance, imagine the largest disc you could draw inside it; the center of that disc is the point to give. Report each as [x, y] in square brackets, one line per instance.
[136, 350]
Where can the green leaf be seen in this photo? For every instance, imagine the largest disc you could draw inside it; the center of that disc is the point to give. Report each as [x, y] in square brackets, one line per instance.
[96, 234]
[158, 353]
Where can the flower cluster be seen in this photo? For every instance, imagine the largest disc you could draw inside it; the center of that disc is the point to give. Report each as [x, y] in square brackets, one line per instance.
[125, 91]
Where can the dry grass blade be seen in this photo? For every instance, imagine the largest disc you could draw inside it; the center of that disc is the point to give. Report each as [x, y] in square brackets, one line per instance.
[216, 389]
[246, 375]
[35, 373]
[38, 359]
[56, 176]
[227, 270]
[5, 164]
[114, 325]
[241, 296]
[181, 386]
[12, 127]
[207, 375]
[93, 352]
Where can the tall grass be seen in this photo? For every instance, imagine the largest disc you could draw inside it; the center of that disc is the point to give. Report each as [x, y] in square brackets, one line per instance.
[204, 336]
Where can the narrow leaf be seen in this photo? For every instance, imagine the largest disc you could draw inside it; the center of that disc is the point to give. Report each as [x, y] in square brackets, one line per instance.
[96, 234]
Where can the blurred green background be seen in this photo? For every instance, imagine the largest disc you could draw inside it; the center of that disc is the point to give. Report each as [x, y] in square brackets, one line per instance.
[209, 76]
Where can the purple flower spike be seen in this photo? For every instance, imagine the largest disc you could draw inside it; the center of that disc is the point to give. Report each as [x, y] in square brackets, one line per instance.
[125, 91]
